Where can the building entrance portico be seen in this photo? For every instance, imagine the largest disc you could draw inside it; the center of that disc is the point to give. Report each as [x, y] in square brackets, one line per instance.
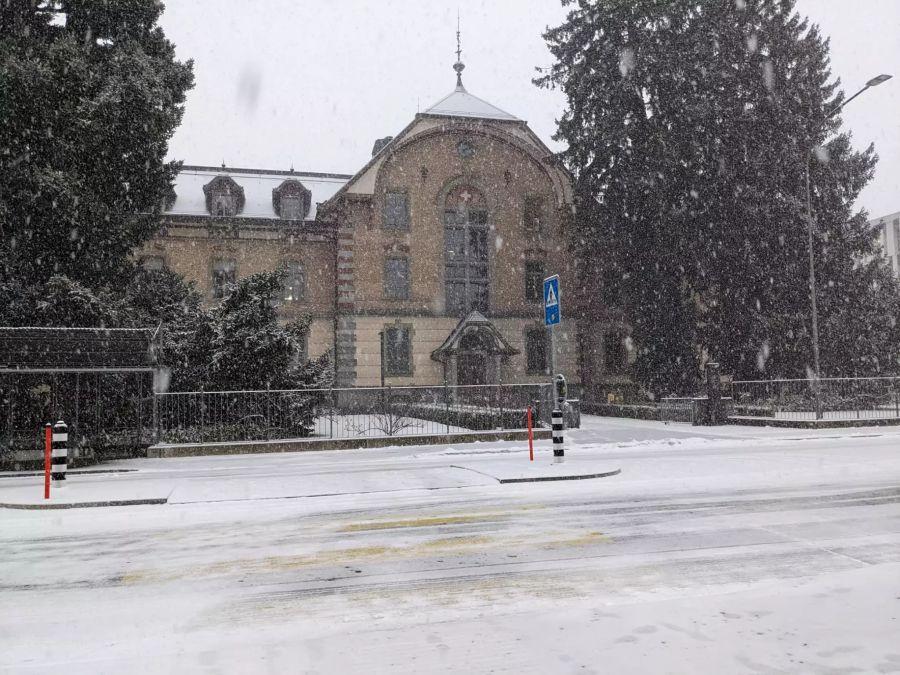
[473, 352]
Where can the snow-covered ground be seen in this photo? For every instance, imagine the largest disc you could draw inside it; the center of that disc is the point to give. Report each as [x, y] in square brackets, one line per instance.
[726, 550]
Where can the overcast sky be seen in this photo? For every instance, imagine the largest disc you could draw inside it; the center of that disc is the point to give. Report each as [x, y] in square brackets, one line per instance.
[313, 84]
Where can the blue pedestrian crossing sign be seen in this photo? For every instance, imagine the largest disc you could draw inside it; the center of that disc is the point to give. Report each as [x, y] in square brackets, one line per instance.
[552, 309]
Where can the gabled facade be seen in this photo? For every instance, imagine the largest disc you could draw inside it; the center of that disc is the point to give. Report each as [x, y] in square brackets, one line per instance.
[470, 211]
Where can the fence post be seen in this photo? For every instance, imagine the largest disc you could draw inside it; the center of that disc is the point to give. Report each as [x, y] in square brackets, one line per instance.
[331, 412]
[156, 421]
[60, 453]
[530, 437]
[446, 406]
[388, 405]
[713, 394]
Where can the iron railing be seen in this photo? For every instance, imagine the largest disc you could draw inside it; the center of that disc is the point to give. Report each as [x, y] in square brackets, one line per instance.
[841, 398]
[221, 416]
[107, 412]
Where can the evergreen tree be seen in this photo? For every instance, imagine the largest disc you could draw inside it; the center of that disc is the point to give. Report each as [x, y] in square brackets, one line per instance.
[689, 127]
[90, 93]
[162, 299]
[250, 349]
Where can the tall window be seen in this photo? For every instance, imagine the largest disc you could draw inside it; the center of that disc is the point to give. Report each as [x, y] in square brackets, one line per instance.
[396, 278]
[534, 280]
[534, 214]
[397, 351]
[294, 282]
[615, 358]
[465, 251]
[396, 211]
[536, 350]
[224, 273]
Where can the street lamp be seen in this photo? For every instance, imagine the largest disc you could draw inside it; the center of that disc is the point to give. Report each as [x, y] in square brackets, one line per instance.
[810, 225]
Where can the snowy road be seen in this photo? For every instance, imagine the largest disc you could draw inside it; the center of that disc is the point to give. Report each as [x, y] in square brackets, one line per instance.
[735, 553]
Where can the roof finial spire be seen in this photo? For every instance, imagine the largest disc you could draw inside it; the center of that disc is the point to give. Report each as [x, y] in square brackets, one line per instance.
[459, 65]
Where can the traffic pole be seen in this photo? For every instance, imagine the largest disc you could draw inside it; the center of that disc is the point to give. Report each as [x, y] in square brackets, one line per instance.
[48, 440]
[559, 440]
[60, 453]
[530, 437]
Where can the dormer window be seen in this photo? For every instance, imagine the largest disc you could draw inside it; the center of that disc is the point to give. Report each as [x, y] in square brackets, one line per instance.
[291, 200]
[224, 197]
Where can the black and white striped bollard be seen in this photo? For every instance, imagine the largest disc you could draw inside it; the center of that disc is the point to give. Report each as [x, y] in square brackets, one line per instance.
[60, 451]
[559, 439]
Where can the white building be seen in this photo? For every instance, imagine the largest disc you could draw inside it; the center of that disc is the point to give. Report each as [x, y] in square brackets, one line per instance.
[888, 228]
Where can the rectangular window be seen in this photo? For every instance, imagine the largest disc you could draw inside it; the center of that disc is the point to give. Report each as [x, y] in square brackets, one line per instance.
[534, 280]
[224, 273]
[294, 282]
[396, 278]
[534, 214]
[396, 211]
[536, 350]
[290, 207]
[614, 354]
[153, 262]
[397, 351]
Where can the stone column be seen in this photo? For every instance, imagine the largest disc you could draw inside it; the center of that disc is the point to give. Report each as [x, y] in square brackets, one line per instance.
[345, 304]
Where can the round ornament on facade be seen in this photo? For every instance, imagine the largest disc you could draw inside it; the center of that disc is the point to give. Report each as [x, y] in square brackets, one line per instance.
[465, 149]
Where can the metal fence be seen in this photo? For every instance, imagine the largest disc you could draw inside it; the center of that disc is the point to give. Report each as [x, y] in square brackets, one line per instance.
[107, 413]
[839, 398]
[198, 417]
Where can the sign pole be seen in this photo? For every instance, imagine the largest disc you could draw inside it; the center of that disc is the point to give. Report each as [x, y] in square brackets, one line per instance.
[552, 316]
[552, 351]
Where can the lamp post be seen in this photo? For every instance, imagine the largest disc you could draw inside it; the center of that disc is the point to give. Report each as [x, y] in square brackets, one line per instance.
[810, 226]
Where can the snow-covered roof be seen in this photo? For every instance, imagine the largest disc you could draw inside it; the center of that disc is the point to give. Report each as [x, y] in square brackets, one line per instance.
[258, 184]
[460, 103]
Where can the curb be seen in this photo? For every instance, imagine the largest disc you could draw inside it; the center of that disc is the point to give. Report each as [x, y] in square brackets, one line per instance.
[75, 472]
[544, 479]
[778, 422]
[162, 451]
[85, 505]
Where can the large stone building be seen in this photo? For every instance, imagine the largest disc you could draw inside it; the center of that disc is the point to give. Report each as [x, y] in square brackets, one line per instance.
[424, 267]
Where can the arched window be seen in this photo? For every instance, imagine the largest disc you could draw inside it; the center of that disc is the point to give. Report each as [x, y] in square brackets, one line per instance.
[466, 282]
[224, 197]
